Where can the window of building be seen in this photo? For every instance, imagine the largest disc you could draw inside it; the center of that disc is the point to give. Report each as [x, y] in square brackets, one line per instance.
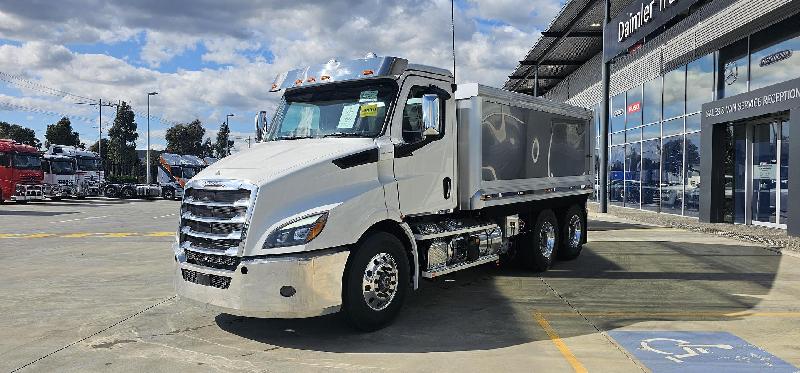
[693, 123]
[617, 122]
[651, 102]
[672, 127]
[616, 175]
[672, 175]
[775, 54]
[732, 69]
[633, 164]
[651, 174]
[675, 93]
[633, 107]
[699, 83]
[692, 176]
[633, 134]
[652, 131]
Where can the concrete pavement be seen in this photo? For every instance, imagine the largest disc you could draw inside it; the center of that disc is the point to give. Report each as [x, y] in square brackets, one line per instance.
[87, 286]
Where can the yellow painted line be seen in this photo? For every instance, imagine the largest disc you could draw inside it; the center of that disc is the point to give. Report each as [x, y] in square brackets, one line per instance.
[789, 314]
[562, 347]
[85, 234]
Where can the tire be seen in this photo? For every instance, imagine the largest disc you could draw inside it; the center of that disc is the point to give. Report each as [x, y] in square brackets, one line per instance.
[168, 194]
[541, 243]
[364, 307]
[573, 232]
[128, 193]
[55, 199]
[110, 191]
[22, 202]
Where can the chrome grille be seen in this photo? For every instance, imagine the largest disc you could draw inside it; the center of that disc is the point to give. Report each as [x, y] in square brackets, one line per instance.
[214, 219]
[214, 261]
[207, 279]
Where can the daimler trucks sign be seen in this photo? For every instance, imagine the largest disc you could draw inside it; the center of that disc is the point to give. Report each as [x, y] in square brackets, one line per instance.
[637, 20]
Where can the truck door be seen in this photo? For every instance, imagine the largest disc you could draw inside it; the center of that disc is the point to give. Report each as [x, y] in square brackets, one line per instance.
[424, 166]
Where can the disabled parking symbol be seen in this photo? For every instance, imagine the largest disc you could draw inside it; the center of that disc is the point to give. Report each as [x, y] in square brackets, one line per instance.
[702, 352]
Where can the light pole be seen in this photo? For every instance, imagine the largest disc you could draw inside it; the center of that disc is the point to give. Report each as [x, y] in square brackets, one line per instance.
[228, 145]
[148, 136]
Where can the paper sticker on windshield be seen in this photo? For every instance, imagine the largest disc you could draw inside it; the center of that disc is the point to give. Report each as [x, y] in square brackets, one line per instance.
[368, 110]
[348, 118]
[368, 96]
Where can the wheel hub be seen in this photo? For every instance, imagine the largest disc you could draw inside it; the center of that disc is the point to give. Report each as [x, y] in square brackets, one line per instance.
[575, 231]
[547, 239]
[379, 285]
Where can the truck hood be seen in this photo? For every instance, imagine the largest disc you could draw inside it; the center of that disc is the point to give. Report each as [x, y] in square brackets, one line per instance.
[270, 160]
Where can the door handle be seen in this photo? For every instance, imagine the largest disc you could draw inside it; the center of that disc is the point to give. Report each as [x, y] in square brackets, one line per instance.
[446, 186]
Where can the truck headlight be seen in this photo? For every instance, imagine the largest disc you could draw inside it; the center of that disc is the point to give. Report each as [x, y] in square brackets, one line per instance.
[298, 232]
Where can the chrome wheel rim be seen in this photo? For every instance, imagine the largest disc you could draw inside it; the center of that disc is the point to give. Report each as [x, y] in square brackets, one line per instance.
[379, 285]
[547, 239]
[575, 231]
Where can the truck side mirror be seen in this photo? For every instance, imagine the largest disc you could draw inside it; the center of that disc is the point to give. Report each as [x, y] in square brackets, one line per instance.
[261, 125]
[430, 115]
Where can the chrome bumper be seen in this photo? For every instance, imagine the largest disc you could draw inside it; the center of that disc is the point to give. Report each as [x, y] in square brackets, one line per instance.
[265, 287]
[25, 192]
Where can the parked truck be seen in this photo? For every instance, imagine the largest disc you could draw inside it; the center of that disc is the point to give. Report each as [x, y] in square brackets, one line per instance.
[174, 170]
[59, 177]
[375, 174]
[20, 172]
[89, 174]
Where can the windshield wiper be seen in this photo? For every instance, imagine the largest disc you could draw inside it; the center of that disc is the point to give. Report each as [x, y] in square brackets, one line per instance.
[293, 137]
[344, 134]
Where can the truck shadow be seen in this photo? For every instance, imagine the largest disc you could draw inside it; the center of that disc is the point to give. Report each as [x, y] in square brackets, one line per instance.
[35, 213]
[613, 283]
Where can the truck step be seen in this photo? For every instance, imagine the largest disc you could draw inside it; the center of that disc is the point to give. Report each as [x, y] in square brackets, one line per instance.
[445, 270]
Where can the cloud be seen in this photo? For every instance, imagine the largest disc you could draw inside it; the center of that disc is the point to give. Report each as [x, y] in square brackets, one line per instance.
[243, 44]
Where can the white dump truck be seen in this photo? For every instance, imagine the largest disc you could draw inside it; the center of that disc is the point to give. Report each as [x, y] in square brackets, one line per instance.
[59, 177]
[174, 170]
[374, 174]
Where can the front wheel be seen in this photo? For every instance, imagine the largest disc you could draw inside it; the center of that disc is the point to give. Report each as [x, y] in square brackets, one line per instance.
[168, 194]
[376, 282]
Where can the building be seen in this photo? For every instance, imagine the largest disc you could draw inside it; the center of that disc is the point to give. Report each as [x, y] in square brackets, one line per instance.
[702, 96]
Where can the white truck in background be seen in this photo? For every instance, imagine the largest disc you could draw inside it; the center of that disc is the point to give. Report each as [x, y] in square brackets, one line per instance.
[59, 177]
[89, 174]
[377, 173]
[174, 170]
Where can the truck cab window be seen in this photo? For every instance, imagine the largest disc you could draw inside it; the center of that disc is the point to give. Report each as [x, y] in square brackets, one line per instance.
[3, 160]
[412, 115]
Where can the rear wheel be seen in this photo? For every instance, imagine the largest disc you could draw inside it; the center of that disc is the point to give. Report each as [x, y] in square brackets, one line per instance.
[110, 191]
[542, 243]
[574, 233]
[168, 193]
[128, 193]
[376, 282]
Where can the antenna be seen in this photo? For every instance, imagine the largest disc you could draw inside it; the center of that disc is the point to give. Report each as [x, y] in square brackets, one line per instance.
[453, 33]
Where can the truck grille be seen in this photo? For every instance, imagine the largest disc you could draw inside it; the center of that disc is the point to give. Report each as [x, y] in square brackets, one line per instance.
[207, 279]
[213, 261]
[214, 219]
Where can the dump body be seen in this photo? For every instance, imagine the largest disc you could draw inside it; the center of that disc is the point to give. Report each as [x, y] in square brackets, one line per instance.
[514, 148]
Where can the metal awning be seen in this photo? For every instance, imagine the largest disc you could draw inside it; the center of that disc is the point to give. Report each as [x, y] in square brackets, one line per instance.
[573, 37]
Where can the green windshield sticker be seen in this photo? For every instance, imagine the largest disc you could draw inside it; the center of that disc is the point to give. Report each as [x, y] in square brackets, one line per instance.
[368, 96]
[368, 110]
[348, 118]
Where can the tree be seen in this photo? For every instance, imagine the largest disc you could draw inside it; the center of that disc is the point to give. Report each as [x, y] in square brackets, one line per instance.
[19, 134]
[223, 144]
[186, 138]
[208, 148]
[122, 142]
[61, 133]
[104, 155]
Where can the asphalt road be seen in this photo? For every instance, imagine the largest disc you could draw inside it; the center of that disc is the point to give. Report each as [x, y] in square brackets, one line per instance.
[87, 286]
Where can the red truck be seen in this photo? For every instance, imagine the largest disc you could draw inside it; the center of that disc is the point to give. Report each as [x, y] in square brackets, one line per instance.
[21, 172]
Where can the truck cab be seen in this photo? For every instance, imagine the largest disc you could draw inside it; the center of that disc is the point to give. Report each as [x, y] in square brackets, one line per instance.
[89, 174]
[174, 170]
[374, 174]
[20, 172]
[59, 176]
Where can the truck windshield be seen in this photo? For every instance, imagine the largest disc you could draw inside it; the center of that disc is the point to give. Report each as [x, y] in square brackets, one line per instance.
[88, 164]
[189, 172]
[335, 110]
[62, 167]
[27, 162]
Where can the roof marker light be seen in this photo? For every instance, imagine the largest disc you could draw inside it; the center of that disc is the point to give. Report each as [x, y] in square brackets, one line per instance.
[311, 79]
[326, 77]
[368, 72]
[298, 82]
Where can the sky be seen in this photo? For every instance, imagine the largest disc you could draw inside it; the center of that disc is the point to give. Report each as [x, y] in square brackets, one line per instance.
[210, 58]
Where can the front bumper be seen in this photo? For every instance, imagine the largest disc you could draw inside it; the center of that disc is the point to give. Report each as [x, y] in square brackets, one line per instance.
[315, 277]
[25, 192]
